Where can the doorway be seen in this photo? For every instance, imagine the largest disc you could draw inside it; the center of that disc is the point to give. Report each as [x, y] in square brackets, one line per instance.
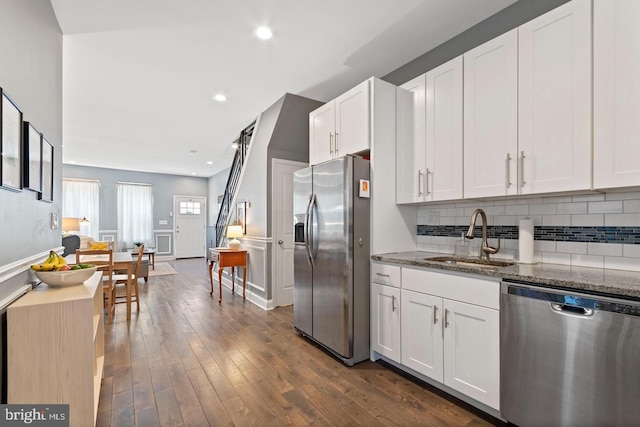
[282, 209]
[189, 226]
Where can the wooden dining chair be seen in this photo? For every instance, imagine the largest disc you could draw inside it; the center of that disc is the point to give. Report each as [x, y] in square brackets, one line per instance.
[105, 265]
[121, 279]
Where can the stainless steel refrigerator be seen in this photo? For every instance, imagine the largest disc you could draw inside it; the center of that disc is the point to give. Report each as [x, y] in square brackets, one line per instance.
[331, 256]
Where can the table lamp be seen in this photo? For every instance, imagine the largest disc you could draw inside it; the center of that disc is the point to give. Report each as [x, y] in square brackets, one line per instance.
[234, 231]
[70, 224]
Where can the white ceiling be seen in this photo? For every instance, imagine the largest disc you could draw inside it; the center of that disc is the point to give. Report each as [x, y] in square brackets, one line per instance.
[139, 76]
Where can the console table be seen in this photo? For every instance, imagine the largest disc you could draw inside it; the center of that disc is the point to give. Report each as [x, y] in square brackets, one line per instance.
[226, 257]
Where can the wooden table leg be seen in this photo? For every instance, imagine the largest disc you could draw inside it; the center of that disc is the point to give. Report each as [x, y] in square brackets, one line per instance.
[153, 260]
[211, 277]
[233, 280]
[129, 291]
[220, 282]
[244, 281]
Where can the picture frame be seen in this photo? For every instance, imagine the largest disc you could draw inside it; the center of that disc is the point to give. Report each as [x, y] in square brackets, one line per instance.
[46, 195]
[10, 144]
[241, 216]
[32, 155]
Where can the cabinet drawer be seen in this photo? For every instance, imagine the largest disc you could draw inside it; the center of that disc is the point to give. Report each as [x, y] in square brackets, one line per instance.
[471, 290]
[385, 274]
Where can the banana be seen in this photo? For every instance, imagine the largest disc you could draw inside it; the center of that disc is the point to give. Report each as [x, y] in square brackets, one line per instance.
[59, 261]
[47, 264]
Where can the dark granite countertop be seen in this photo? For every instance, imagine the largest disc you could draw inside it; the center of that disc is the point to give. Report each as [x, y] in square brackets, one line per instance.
[600, 280]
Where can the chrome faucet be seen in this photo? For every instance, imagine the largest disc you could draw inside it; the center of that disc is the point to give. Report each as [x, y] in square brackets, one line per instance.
[486, 249]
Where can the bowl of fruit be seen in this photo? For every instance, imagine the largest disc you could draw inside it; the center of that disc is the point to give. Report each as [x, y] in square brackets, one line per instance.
[55, 271]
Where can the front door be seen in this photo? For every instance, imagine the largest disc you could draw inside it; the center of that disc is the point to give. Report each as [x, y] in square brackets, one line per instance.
[189, 221]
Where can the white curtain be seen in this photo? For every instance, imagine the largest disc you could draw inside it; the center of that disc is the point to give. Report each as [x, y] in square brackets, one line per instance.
[135, 214]
[81, 199]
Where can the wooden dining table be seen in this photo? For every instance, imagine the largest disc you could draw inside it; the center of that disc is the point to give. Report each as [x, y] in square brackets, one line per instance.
[121, 261]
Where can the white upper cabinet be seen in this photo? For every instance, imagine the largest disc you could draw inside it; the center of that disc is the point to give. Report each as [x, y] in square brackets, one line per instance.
[554, 101]
[410, 141]
[616, 86]
[491, 118]
[341, 126]
[444, 131]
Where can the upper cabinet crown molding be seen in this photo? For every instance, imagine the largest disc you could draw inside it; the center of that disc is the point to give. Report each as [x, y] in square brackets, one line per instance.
[616, 93]
[554, 100]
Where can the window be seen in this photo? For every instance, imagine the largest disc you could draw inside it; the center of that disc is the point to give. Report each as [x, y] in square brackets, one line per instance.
[189, 208]
[81, 199]
[135, 214]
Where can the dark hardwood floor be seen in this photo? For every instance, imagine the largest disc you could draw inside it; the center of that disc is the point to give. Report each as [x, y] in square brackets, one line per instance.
[185, 360]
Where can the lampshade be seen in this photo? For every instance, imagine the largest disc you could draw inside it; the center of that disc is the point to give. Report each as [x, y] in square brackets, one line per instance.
[70, 224]
[234, 231]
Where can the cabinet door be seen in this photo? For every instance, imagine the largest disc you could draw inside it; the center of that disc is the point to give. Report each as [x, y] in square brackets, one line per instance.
[352, 120]
[491, 117]
[385, 321]
[444, 131]
[554, 116]
[410, 141]
[472, 351]
[322, 125]
[421, 329]
[616, 93]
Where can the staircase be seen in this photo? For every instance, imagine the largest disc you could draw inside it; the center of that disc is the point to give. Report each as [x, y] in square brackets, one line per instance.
[232, 182]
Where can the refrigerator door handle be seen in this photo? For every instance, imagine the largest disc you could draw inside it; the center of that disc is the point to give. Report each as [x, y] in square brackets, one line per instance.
[307, 230]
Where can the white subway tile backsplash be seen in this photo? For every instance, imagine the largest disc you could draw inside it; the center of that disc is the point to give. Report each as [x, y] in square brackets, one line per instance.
[556, 258]
[503, 220]
[594, 220]
[556, 220]
[455, 211]
[619, 263]
[605, 207]
[572, 208]
[587, 260]
[606, 249]
[529, 201]
[557, 199]
[543, 209]
[631, 206]
[588, 198]
[631, 251]
[622, 219]
[494, 210]
[544, 246]
[624, 195]
[572, 247]
[516, 210]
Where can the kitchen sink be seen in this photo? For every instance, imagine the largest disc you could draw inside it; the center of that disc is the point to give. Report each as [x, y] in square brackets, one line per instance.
[470, 262]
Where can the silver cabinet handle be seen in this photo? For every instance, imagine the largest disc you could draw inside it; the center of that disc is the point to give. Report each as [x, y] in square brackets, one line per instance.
[393, 303]
[337, 145]
[419, 183]
[427, 183]
[435, 317]
[446, 318]
[522, 181]
[508, 170]
[383, 275]
[330, 143]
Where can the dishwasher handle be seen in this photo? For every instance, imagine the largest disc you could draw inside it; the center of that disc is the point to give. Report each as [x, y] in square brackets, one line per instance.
[571, 310]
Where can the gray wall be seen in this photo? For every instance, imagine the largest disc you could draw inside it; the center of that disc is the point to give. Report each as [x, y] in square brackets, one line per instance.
[503, 21]
[31, 74]
[217, 185]
[164, 188]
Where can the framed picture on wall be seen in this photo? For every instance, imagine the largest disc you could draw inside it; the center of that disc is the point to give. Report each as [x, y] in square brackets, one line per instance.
[10, 144]
[32, 153]
[46, 195]
[241, 216]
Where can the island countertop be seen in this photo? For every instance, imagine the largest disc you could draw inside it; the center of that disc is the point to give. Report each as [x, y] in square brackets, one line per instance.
[600, 280]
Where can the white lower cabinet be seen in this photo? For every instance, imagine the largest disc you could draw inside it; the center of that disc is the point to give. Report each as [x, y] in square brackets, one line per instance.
[447, 327]
[385, 325]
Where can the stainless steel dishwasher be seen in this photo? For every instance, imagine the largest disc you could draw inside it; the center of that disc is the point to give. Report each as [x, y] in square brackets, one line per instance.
[568, 358]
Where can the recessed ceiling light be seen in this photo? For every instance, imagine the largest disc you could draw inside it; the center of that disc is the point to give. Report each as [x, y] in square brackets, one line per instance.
[209, 162]
[194, 173]
[220, 97]
[264, 33]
